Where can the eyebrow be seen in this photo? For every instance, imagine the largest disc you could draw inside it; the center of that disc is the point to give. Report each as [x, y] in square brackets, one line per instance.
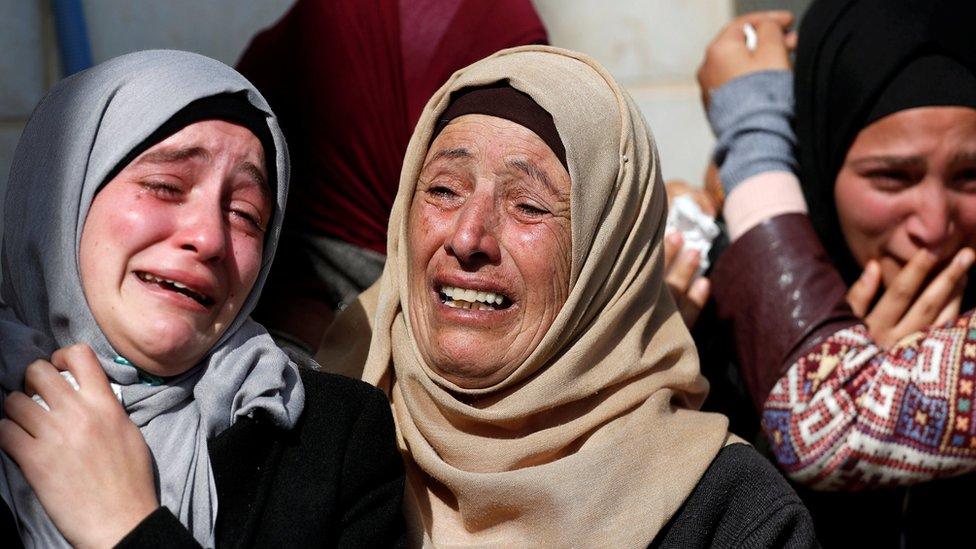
[891, 162]
[456, 152]
[250, 169]
[172, 156]
[963, 157]
[533, 171]
[169, 156]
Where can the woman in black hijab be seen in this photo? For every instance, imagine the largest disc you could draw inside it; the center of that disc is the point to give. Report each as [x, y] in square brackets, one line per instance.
[877, 397]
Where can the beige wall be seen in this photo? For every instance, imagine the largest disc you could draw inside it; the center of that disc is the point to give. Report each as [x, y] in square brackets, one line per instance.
[653, 47]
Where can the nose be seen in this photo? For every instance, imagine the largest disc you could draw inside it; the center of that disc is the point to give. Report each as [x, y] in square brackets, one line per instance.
[473, 241]
[202, 230]
[931, 224]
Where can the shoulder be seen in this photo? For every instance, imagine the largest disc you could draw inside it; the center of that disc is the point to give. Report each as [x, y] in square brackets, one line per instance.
[345, 423]
[337, 399]
[741, 500]
[739, 471]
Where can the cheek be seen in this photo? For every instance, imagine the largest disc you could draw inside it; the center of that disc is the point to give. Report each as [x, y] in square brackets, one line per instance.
[426, 231]
[246, 264]
[867, 217]
[114, 231]
[543, 254]
[868, 213]
[965, 216]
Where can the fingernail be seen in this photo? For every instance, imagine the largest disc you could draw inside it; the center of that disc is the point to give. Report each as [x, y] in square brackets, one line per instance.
[965, 258]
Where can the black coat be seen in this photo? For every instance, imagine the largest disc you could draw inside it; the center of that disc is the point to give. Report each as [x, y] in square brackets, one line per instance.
[740, 501]
[336, 479]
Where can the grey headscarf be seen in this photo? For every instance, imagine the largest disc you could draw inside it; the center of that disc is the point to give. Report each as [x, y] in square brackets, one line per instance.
[78, 134]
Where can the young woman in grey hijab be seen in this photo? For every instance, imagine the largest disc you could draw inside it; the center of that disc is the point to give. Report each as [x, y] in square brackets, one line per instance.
[142, 213]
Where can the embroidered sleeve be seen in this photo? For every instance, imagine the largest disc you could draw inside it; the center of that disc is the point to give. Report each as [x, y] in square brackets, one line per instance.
[849, 415]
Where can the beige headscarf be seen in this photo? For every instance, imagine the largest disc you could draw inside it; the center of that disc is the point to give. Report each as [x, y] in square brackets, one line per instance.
[594, 440]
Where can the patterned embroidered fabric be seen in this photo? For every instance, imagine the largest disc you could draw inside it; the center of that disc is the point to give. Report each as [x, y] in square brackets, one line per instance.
[849, 415]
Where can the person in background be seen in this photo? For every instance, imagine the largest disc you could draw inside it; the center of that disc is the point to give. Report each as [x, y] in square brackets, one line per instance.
[847, 317]
[544, 386]
[349, 79]
[144, 204]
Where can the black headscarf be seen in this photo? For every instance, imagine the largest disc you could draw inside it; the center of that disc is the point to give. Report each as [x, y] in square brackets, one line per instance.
[861, 60]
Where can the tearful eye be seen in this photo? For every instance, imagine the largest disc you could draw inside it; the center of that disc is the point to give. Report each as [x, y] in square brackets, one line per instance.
[441, 191]
[965, 181]
[891, 181]
[162, 189]
[531, 210]
[250, 220]
[442, 196]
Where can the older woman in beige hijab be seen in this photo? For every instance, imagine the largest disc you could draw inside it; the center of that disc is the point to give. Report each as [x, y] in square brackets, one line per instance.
[543, 384]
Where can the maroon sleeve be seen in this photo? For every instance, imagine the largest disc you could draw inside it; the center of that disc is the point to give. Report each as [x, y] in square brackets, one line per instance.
[782, 295]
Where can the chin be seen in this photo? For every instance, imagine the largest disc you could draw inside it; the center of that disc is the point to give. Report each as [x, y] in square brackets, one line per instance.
[167, 350]
[460, 359]
[467, 366]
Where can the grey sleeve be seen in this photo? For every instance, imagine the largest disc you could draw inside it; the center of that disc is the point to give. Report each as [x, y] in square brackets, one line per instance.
[751, 118]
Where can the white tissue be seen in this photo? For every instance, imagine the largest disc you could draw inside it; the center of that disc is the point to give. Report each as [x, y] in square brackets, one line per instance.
[116, 389]
[697, 228]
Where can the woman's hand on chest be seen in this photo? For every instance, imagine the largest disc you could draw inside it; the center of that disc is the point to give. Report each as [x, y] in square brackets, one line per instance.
[86, 461]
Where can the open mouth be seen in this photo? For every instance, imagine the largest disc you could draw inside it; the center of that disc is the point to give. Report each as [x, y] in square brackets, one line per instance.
[174, 286]
[475, 300]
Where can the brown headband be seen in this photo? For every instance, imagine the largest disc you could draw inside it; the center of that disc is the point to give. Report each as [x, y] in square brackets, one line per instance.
[506, 102]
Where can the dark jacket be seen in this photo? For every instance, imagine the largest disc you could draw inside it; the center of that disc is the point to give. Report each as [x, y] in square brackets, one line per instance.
[780, 293]
[335, 480]
[740, 501]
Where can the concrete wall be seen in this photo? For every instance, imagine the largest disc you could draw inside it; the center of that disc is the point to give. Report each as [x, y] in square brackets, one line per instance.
[652, 46]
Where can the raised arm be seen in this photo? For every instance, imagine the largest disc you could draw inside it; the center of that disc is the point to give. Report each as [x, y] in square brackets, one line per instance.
[843, 407]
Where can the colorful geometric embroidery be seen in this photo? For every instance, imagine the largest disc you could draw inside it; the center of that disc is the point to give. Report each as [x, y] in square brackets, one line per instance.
[849, 414]
[921, 418]
[777, 424]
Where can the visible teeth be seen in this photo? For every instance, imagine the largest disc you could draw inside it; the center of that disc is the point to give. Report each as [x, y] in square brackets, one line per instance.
[185, 290]
[471, 296]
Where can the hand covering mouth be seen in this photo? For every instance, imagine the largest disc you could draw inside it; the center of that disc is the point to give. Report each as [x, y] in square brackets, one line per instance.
[174, 286]
[469, 298]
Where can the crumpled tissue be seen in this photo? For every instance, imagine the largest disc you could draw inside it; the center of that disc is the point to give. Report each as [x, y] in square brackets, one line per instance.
[697, 228]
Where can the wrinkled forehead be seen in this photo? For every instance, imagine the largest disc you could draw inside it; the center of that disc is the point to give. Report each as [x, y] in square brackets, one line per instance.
[484, 137]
